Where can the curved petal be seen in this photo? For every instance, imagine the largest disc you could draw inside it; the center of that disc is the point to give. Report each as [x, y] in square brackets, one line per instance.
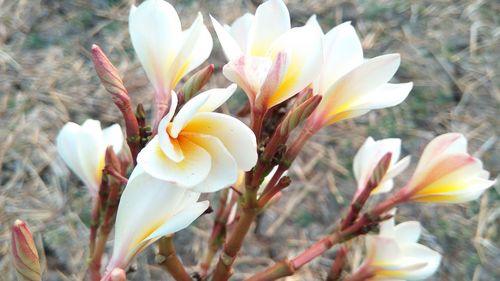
[186, 113]
[342, 53]
[467, 191]
[235, 135]
[304, 49]
[216, 98]
[224, 170]
[155, 30]
[428, 259]
[362, 158]
[313, 20]
[230, 46]
[271, 20]
[113, 136]
[195, 49]
[407, 232]
[192, 170]
[441, 145]
[240, 30]
[384, 96]
[170, 146]
[145, 205]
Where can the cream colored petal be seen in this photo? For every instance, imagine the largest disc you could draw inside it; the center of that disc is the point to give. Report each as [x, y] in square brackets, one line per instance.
[419, 254]
[386, 95]
[186, 113]
[196, 48]
[342, 53]
[113, 136]
[313, 20]
[240, 30]
[216, 98]
[469, 191]
[440, 146]
[235, 135]
[170, 146]
[230, 46]
[304, 49]
[407, 232]
[155, 30]
[224, 170]
[145, 205]
[192, 170]
[271, 21]
[80, 161]
[362, 159]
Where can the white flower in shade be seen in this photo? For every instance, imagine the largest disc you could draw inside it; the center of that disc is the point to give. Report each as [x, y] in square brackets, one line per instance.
[446, 173]
[150, 209]
[369, 156]
[351, 85]
[198, 148]
[269, 60]
[83, 149]
[166, 52]
[395, 255]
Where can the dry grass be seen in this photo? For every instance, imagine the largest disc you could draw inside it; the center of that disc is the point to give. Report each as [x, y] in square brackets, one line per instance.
[449, 49]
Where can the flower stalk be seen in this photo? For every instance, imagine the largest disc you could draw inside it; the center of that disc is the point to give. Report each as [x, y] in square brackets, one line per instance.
[167, 258]
[339, 262]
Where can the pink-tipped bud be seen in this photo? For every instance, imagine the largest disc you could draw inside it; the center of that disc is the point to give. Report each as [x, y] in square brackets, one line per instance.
[380, 170]
[110, 79]
[118, 274]
[24, 253]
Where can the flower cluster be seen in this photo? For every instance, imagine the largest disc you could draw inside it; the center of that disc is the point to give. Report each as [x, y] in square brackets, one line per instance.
[294, 77]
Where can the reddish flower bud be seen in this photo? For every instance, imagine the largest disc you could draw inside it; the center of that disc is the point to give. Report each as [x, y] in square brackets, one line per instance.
[24, 253]
[118, 274]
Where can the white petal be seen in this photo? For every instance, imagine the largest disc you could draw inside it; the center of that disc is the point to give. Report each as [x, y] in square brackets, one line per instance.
[155, 30]
[113, 136]
[229, 45]
[313, 20]
[216, 98]
[386, 95]
[186, 113]
[271, 20]
[304, 49]
[240, 30]
[224, 170]
[407, 232]
[343, 52]
[196, 47]
[441, 145]
[170, 146]
[146, 203]
[235, 135]
[419, 254]
[362, 158]
[192, 170]
[398, 168]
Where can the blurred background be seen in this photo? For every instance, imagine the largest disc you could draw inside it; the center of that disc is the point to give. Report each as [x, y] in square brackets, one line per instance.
[449, 48]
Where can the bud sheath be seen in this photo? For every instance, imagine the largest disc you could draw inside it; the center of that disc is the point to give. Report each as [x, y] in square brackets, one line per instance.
[24, 253]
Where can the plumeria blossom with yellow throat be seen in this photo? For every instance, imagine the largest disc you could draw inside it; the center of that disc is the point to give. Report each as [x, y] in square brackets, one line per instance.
[368, 157]
[83, 149]
[198, 148]
[267, 58]
[394, 253]
[447, 173]
[350, 84]
[166, 52]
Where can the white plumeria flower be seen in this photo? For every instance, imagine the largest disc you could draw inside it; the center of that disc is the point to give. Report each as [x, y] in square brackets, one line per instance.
[369, 156]
[200, 149]
[268, 59]
[446, 173]
[150, 209]
[165, 51]
[351, 85]
[83, 149]
[394, 254]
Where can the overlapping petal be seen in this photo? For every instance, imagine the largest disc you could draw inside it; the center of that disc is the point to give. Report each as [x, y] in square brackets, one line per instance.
[368, 157]
[149, 209]
[446, 173]
[83, 149]
[199, 149]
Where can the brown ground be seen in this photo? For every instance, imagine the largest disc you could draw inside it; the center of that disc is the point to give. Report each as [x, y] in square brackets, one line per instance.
[449, 49]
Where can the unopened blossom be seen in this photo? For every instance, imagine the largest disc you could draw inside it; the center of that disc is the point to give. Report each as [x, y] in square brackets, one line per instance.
[267, 58]
[166, 52]
[24, 254]
[368, 157]
[83, 149]
[447, 173]
[394, 254]
[149, 209]
[198, 148]
[350, 84]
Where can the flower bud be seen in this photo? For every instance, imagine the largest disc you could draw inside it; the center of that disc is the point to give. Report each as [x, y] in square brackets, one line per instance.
[118, 274]
[24, 253]
[194, 84]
